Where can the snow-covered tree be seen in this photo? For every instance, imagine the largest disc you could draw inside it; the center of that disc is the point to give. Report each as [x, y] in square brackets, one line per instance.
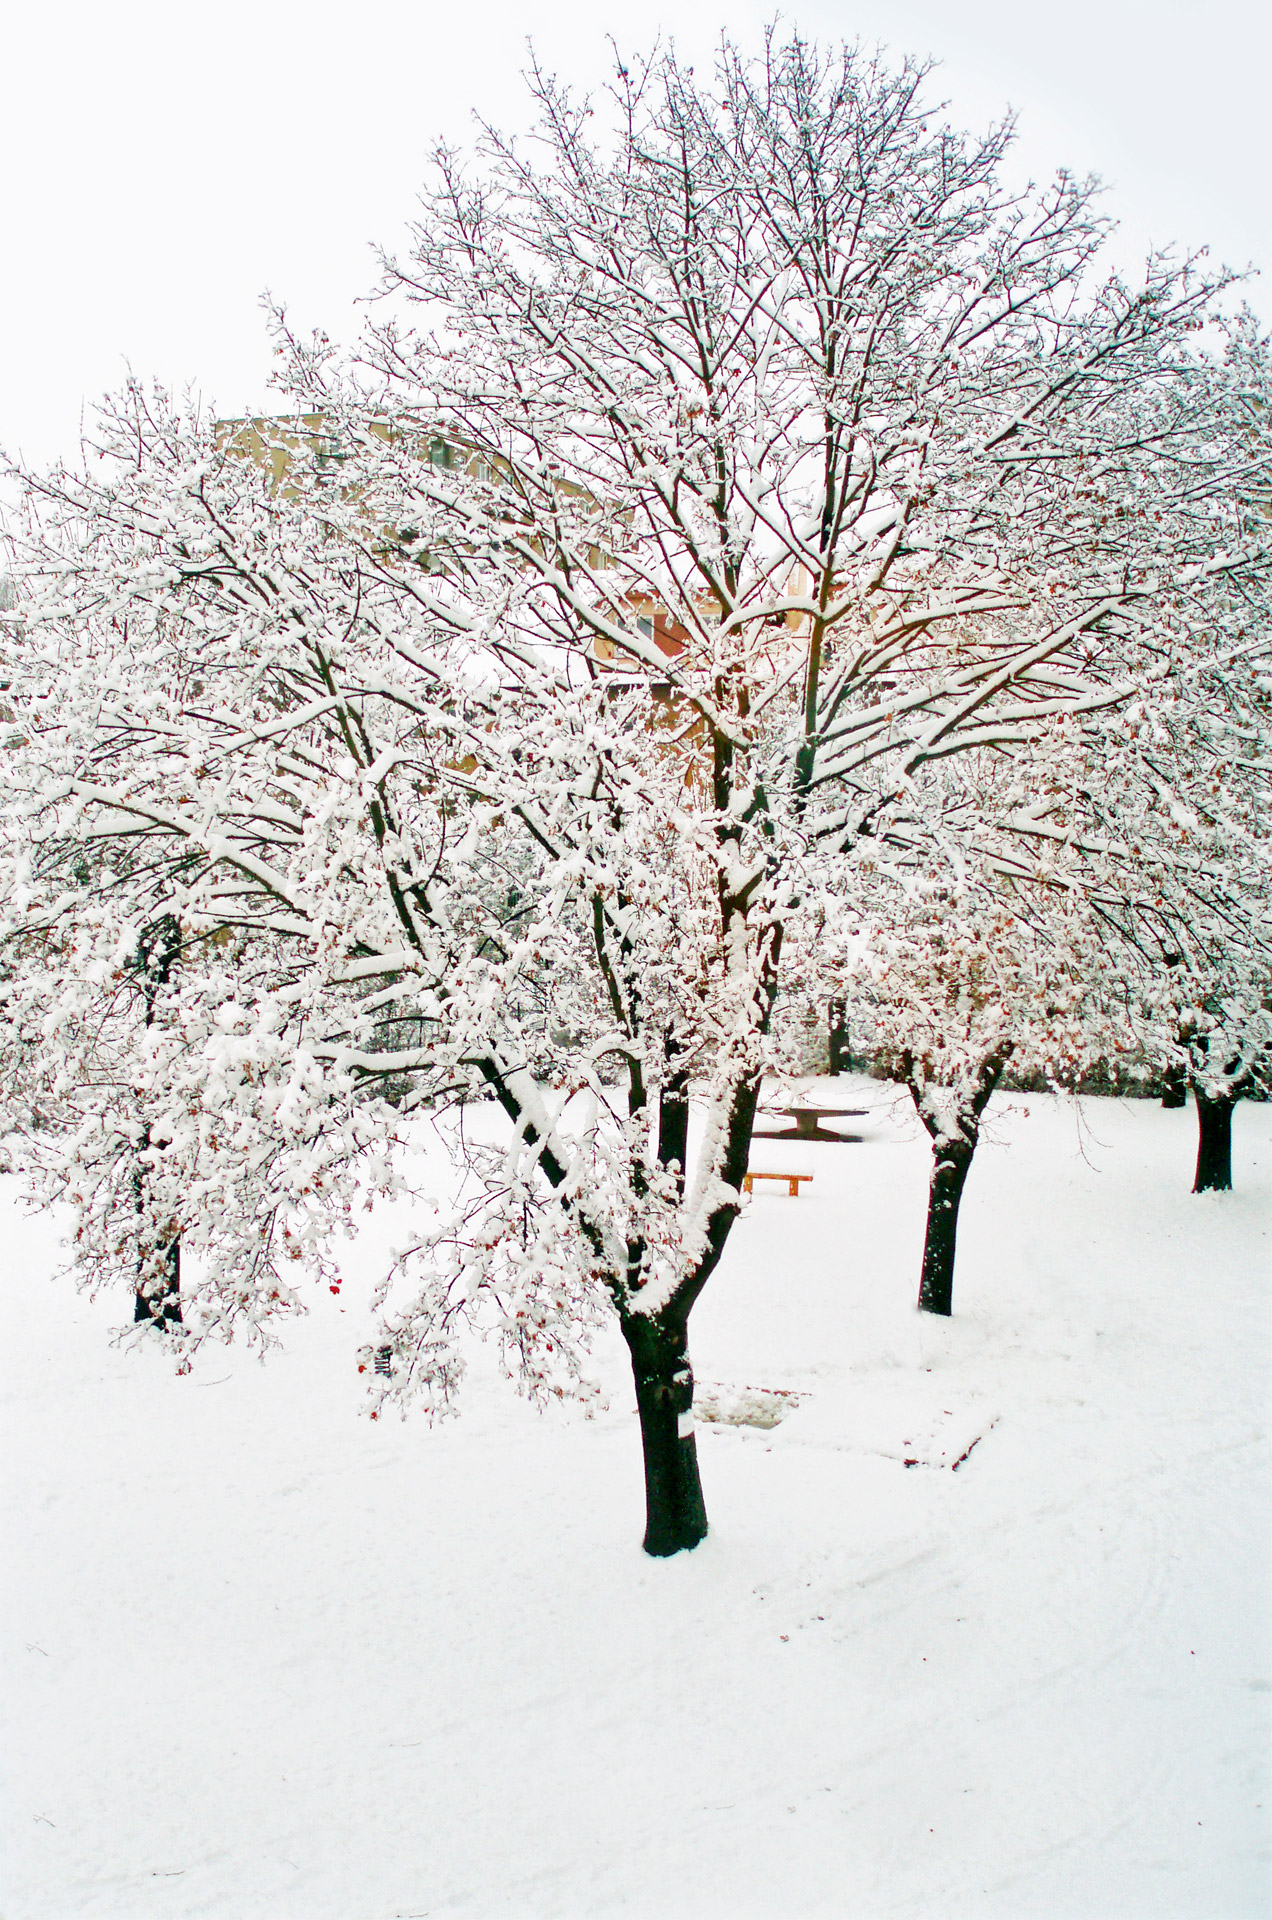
[975, 954]
[1228, 1037]
[720, 476]
[1201, 926]
[1178, 812]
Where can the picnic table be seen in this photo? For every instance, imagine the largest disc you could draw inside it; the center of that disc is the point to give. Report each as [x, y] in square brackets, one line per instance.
[806, 1125]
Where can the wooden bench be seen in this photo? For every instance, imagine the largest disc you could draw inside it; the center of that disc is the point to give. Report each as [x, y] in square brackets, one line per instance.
[793, 1181]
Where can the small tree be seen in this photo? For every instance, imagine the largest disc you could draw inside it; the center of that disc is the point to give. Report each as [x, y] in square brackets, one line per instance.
[1181, 816]
[980, 956]
[1229, 1042]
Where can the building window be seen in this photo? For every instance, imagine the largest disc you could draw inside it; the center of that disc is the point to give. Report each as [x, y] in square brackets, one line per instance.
[328, 453]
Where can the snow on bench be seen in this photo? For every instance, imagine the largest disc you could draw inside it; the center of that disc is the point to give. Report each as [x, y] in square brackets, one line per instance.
[793, 1181]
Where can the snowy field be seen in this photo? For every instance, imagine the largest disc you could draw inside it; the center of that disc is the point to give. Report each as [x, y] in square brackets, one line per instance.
[264, 1658]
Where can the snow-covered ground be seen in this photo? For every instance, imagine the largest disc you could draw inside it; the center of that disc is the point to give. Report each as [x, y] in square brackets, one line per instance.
[264, 1658]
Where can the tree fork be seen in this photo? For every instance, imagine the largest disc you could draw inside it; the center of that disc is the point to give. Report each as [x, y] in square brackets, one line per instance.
[953, 1158]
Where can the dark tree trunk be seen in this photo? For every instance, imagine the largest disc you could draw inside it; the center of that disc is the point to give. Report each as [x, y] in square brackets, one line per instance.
[159, 1298]
[952, 1158]
[936, 1286]
[1175, 1088]
[1214, 1143]
[675, 1515]
[673, 1122]
[837, 1013]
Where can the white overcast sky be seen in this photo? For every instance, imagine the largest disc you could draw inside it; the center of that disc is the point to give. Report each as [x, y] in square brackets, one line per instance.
[165, 163]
